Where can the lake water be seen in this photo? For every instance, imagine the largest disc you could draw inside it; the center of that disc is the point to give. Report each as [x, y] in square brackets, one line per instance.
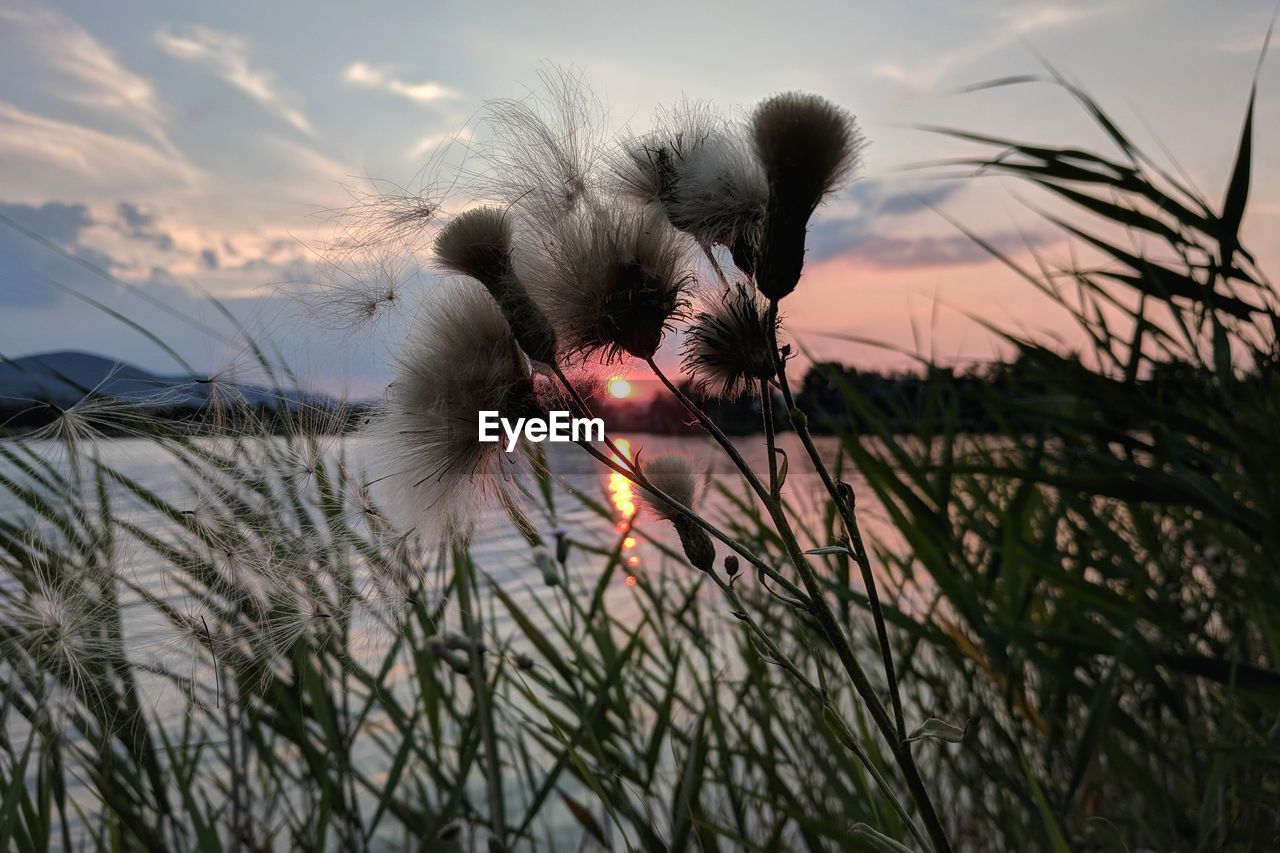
[498, 548]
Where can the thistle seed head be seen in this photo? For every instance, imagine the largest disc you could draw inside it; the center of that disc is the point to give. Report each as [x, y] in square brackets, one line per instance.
[462, 360]
[808, 147]
[702, 174]
[728, 346]
[478, 244]
[611, 282]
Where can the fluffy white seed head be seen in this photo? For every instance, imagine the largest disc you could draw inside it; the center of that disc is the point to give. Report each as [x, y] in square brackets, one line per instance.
[701, 172]
[611, 281]
[672, 475]
[646, 167]
[807, 145]
[461, 360]
[54, 624]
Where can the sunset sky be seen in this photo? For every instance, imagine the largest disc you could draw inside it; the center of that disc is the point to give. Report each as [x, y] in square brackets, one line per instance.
[194, 149]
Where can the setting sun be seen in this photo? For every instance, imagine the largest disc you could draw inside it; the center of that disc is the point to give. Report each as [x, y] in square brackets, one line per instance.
[619, 388]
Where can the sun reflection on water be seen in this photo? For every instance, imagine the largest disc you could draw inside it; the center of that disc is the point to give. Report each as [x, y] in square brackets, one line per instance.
[622, 493]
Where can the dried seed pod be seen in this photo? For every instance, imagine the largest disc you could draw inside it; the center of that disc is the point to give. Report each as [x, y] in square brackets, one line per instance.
[543, 560]
[672, 476]
[807, 146]
[696, 543]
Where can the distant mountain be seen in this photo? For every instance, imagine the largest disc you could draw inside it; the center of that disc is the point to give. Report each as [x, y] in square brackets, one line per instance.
[65, 376]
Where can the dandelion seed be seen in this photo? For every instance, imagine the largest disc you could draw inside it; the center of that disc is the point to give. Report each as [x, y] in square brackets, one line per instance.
[246, 577]
[611, 282]
[393, 586]
[673, 476]
[728, 349]
[196, 646]
[313, 434]
[228, 389]
[462, 360]
[298, 612]
[477, 243]
[57, 625]
[807, 146]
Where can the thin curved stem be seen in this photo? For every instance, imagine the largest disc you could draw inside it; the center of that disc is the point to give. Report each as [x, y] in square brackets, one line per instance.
[631, 470]
[896, 732]
[766, 413]
[637, 477]
[714, 431]
[585, 409]
[823, 699]
[819, 607]
[844, 502]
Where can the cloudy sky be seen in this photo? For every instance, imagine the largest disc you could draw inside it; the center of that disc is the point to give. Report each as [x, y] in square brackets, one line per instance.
[196, 149]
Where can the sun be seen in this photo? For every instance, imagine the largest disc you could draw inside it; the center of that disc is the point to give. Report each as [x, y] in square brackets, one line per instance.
[619, 388]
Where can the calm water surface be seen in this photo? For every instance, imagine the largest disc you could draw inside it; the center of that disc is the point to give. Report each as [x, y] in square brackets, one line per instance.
[497, 547]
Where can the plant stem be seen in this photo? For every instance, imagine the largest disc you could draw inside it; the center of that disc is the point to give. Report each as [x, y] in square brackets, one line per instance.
[714, 431]
[895, 734]
[766, 412]
[819, 607]
[845, 506]
[628, 469]
[833, 713]
[637, 477]
[581, 403]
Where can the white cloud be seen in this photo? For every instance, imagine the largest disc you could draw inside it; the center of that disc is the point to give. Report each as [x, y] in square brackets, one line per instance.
[372, 77]
[227, 56]
[51, 149]
[83, 70]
